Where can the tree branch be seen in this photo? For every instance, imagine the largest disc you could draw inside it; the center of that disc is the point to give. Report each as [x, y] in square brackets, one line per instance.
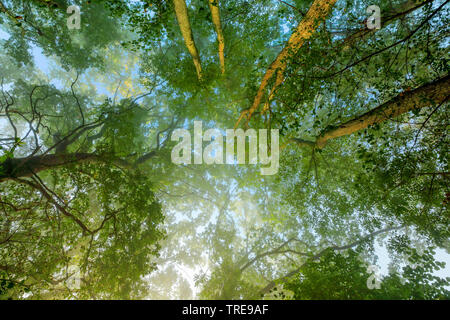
[273, 283]
[318, 11]
[436, 92]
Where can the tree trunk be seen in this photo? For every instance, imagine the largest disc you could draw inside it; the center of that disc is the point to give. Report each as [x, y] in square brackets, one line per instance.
[181, 13]
[432, 93]
[429, 94]
[26, 167]
[215, 16]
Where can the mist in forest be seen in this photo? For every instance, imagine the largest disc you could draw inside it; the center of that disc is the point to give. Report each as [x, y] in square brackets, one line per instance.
[221, 150]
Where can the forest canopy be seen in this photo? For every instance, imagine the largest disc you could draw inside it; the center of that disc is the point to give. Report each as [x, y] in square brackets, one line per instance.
[94, 93]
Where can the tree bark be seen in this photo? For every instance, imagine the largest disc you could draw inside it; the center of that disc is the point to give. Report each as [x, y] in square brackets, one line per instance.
[181, 13]
[215, 16]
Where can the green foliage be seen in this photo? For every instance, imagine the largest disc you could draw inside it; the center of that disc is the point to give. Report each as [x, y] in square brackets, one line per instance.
[343, 276]
[86, 178]
[123, 218]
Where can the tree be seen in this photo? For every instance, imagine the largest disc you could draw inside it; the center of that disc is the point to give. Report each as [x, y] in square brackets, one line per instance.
[73, 195]
[185, 27]
[91, 205]
[343, 277]
[43, 24]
